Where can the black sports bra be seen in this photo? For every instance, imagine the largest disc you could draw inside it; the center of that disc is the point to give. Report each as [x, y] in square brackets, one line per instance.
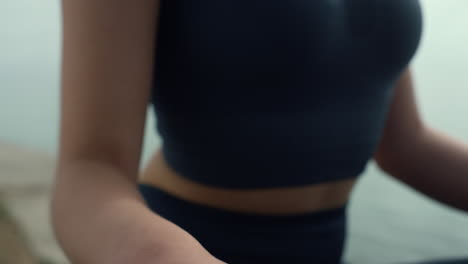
[260, 93]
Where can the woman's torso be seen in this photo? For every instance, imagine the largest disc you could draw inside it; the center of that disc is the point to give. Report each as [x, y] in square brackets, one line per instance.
[286, 200]
[274, 106]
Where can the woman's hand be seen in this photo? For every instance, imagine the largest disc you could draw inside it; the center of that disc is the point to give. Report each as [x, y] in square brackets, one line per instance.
[99, 217]
[185, 249]
[188, 257]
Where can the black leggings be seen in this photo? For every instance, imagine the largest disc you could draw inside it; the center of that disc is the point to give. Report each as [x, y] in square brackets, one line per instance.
[239, 238]
[443, 261]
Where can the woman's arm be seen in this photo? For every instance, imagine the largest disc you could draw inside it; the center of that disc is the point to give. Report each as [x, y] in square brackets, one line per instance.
[98, 215]
[422, 157]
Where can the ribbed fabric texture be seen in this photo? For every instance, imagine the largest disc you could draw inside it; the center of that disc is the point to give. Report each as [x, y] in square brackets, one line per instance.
[256, 93]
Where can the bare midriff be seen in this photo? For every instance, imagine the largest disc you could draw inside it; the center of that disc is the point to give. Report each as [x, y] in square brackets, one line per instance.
[280, 200]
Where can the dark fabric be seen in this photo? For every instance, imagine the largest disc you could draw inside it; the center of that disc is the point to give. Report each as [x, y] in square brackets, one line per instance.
[239, 238]
[442, 261]
[293, 92]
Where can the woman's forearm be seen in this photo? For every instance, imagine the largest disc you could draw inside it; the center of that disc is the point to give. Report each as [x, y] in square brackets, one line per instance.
[98, 216]
[436, 165]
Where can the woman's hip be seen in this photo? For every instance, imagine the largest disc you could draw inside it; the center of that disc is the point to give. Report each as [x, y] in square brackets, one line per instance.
[243, 238]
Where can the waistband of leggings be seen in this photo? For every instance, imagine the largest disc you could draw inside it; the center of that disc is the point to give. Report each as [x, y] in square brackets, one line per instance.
[157, 198]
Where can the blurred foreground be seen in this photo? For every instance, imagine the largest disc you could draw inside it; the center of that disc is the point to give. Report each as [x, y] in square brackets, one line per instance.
[388, 223]
[25, 232]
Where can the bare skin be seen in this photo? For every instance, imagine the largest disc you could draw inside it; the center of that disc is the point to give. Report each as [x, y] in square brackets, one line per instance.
[403, 118]
[106, 83]
[287, 200]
